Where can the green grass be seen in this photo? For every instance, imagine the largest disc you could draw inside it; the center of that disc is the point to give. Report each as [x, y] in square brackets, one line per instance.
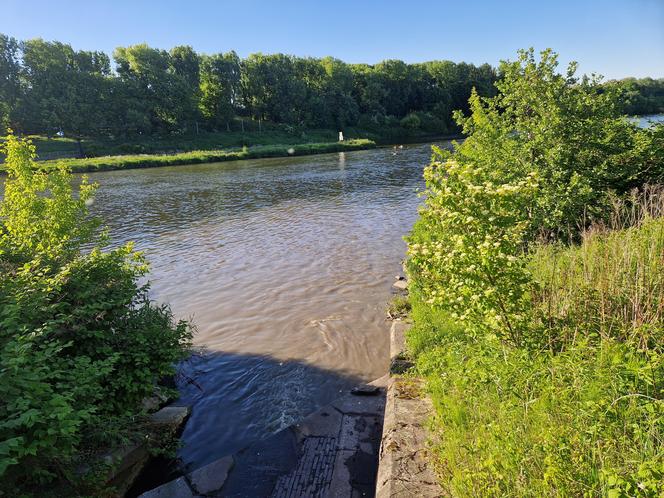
[583, 419]
[398, 307]
[56, 147]
[270, 134]
[204, 156]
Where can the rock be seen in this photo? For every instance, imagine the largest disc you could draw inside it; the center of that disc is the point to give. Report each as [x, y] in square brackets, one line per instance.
[125, 465]
[172, 416]
[127, 456]
[365, 390]
[211, 477]
[174, 489]
[152, 403]
[401, 285]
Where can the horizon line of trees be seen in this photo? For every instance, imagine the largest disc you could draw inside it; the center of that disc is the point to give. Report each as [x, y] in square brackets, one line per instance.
[48, 87]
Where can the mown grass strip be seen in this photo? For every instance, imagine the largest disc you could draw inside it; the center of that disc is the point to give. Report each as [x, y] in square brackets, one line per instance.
[203, 156]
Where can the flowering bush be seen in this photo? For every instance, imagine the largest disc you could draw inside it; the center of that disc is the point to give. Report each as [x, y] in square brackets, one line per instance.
[541, 338]
[540, 162]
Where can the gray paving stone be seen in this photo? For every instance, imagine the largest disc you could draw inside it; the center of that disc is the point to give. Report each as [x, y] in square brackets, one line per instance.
[174, 489]
[212, 477]
[401, 285]
[170, 415]
[313, 474]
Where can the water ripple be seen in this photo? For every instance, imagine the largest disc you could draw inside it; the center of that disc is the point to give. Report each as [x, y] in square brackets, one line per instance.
[285, 265]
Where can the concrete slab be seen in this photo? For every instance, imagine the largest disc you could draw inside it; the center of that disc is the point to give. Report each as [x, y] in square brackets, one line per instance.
[401, 285]
[212, 477]
[174, 489]
[172, 416]
[404, 470]
[333, 452]
[398, 338]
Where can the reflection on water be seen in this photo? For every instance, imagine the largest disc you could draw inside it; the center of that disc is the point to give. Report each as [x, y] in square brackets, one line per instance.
[285, 265]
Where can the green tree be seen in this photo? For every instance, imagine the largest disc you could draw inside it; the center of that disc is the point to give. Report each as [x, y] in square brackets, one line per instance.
[66, 89]
[220, 80]
[10, 69]
[150, 77]
[270, 89]
[185, 63]
[540, 160]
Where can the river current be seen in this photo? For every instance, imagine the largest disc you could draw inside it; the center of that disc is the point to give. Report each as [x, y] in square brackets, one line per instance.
[284, 266]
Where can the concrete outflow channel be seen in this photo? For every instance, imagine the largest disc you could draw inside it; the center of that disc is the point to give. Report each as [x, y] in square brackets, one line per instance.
[370, 442]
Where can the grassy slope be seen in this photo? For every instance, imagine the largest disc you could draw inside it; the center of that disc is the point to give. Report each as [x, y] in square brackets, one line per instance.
[106, 163]
[165, 150]
[56, 147]
[585, 421]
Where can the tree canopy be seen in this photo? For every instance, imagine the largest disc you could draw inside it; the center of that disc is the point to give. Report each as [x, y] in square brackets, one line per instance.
[47, 87]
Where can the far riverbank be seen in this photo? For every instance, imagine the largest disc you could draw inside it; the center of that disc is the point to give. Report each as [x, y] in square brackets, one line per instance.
[135, 161]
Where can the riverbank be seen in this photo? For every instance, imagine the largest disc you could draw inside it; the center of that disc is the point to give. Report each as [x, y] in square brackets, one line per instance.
[108, 163]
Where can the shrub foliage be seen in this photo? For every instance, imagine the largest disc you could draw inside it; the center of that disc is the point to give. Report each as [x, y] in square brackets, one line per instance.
[539, 331]
[80, 342]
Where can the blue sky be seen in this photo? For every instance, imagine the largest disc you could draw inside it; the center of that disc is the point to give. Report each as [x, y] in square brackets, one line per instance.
[616, 38]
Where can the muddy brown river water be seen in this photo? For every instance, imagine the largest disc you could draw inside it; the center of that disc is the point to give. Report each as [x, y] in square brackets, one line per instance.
[285, 267]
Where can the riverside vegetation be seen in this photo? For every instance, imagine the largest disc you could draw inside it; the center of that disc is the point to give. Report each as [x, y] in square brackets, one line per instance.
[81, 345]
[537, 293]
[163, 96]
[158, 101]
[202, 156]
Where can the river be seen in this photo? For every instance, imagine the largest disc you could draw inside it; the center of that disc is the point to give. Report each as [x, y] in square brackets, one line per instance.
[285, 267]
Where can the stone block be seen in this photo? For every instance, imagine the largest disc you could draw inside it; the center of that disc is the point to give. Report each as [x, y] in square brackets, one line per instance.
[400, 285]
[174, 489]
[172, 416]
[212, 477]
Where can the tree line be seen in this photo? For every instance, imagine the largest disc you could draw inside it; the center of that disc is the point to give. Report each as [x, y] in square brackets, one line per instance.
[642, 96]
[47, 87]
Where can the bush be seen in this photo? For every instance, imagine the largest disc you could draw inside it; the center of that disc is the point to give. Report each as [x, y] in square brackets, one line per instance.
[410, 122]
[80, 343]
[431, 123]
[541, 161]
[540, 331]
[585, 420]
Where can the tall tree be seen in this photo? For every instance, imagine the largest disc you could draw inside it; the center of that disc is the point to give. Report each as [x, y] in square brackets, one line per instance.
[10, 69]
[185, 64]
[220, 84]
[151, 77]
[64, 88]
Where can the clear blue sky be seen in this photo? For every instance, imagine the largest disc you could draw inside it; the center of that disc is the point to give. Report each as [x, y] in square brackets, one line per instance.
[616, 38]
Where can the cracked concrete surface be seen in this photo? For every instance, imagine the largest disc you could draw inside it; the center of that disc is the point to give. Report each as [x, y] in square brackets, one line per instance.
[404, 470]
